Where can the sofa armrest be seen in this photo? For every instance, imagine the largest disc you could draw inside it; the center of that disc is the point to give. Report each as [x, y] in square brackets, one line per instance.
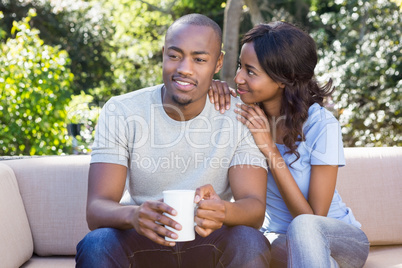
[54, 192]
[16, 244]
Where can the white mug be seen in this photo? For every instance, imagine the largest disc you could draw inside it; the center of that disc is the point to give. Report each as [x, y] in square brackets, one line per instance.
[183, 202]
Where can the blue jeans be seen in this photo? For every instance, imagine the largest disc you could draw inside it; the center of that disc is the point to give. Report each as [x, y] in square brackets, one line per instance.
[238, 246]
[315, 241]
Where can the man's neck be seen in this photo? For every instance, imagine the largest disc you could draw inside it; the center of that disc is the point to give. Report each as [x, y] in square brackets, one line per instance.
[180, 112]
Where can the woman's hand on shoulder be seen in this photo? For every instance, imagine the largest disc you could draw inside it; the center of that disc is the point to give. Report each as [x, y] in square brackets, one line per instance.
[219, 94]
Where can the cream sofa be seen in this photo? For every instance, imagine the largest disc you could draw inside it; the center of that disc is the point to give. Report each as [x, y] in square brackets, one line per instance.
[42, 206]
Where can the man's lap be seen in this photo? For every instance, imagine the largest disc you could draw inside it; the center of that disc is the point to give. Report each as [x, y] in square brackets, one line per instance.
[205, 251]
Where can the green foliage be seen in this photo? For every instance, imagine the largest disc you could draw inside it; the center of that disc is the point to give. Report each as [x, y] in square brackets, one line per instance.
[35, 86]
[80, 27]
[115, 47]
[82, 111]
[294, 11]
[361, 49]
[213, 9]
[135, 49]
[3, 33]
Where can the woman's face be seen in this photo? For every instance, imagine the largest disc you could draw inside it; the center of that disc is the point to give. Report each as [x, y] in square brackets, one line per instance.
[253, 83]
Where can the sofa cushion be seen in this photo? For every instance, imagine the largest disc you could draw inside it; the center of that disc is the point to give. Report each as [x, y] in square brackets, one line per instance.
[384, 257]
[16, 244]
[50, 262]
[370, 184]
[54, 191]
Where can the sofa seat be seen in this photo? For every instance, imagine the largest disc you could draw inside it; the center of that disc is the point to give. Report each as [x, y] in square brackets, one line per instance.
[50, 262]
[384, 256]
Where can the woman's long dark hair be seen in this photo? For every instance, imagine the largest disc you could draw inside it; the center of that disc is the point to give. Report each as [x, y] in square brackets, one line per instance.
[288, 55]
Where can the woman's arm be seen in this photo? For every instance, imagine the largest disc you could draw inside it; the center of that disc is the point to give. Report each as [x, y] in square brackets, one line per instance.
[323, 178]
[321, 189]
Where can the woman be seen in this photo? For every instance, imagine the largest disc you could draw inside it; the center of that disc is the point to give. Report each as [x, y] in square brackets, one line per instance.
[306, 221]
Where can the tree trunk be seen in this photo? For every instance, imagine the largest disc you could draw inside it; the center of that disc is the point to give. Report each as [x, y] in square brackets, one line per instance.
[231, 24]
[255, 13]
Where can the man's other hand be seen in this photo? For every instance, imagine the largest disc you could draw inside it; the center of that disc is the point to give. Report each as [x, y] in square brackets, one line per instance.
[211, 210]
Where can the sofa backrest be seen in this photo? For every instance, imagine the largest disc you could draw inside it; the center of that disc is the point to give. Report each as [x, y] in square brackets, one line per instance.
[371, 185]
[16, 246]
[54, 191]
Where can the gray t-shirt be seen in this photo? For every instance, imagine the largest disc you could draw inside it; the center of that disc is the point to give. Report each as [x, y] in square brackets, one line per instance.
[161, 153]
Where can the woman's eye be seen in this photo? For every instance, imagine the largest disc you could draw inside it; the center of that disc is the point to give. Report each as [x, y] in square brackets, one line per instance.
[250, 72]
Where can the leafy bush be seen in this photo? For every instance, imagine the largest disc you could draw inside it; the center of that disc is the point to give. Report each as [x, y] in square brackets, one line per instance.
[79, 27]
[361, 49]
[35, 86]
[82, 113]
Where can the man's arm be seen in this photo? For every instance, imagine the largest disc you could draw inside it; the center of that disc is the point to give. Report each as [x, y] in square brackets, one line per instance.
[249, 188]
[248, 184]
[105, 188]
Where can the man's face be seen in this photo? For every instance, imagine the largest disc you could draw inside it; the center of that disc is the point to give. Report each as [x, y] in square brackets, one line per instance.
[191, 56]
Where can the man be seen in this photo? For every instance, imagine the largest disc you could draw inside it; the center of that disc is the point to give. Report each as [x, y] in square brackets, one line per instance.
[170, 137]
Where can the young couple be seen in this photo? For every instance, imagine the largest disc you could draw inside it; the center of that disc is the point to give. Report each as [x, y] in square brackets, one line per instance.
[280, 123]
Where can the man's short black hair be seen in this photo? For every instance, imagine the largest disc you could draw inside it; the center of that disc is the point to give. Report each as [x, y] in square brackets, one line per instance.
[198, 20]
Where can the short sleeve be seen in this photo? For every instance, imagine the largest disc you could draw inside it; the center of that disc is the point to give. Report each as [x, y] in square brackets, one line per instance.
[327, 148]
[111, 144]
[247, 153]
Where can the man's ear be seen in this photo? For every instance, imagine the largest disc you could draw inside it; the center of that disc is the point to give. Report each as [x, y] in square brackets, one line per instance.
[163, 49]
[219, 63]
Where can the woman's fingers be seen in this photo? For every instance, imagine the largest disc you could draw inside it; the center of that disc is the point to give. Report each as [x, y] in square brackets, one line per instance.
[211, 95]
[250, 117]
[233, 92]
[219, 94]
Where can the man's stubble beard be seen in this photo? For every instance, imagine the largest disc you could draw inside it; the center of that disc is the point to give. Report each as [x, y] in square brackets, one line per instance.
[181, 102]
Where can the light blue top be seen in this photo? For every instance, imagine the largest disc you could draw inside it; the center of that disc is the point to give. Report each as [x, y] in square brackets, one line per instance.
[322, 146]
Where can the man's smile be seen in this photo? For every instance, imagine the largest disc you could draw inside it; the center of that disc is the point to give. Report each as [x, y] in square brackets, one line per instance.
[184, 84]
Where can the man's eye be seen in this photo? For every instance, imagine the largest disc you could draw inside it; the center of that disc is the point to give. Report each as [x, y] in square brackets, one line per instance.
[173, 56]
[200, 60]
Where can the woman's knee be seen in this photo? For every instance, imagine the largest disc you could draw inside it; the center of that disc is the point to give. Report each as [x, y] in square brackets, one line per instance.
[305, 224]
